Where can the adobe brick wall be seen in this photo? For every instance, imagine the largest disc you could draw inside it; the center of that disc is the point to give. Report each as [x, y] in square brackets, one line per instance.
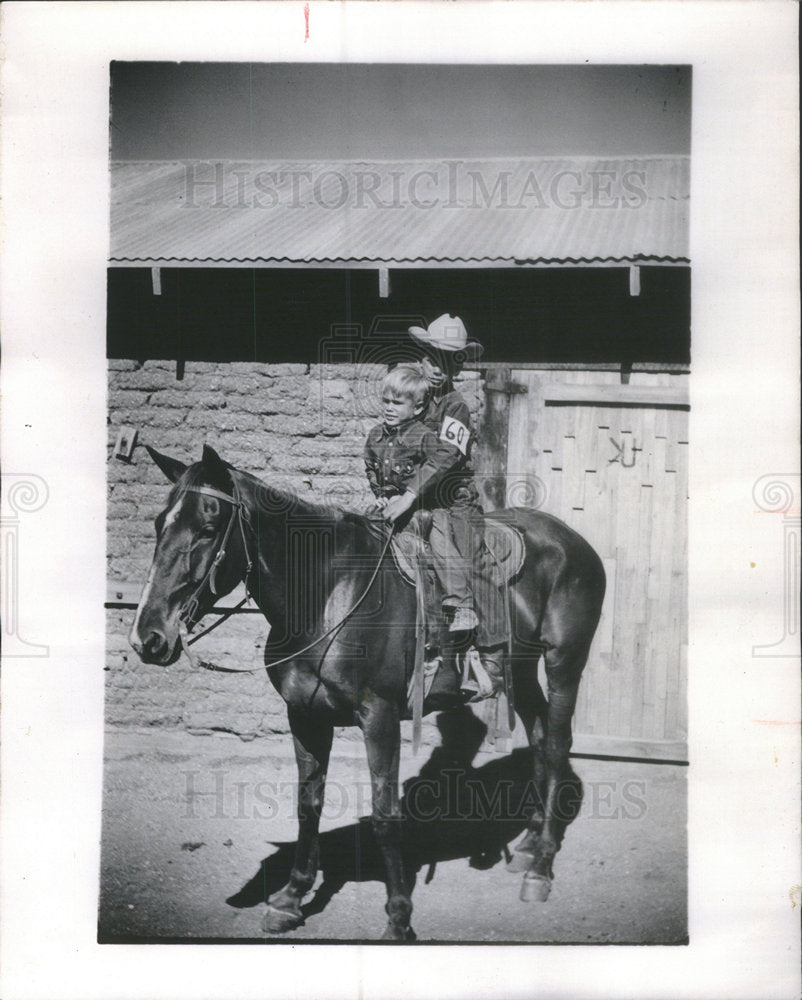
[298, 427]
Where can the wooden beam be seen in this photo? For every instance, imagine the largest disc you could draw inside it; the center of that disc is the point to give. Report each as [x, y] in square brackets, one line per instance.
[588, 745]
[634, 280]
[617, 395]
[156, 279]
[579, 366]
[384, 282]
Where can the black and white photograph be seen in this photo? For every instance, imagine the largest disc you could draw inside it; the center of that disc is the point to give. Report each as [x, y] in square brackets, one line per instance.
[399, 355]
[400, 516]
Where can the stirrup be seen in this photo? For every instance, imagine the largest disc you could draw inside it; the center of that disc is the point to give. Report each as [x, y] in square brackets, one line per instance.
[474, 693]
[477, 684]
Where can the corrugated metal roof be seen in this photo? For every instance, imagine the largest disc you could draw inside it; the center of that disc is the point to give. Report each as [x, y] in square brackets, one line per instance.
[430, 213]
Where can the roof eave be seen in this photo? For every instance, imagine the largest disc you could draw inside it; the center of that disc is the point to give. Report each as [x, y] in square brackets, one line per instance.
[420, 263]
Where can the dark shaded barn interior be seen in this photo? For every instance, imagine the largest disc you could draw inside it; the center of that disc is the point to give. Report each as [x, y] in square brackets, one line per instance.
[279, 315]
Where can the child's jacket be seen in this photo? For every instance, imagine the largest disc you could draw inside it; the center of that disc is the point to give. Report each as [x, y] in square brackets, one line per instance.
[406, 458]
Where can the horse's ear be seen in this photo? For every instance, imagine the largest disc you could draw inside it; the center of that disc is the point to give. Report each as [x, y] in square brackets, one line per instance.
[214, 464]
[171, 467]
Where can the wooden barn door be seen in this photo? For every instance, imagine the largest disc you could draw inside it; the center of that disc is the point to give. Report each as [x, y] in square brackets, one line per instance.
[611, 460]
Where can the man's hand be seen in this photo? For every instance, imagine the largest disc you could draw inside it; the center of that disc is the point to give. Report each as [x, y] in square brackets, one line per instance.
[396, 506]
[380, 503]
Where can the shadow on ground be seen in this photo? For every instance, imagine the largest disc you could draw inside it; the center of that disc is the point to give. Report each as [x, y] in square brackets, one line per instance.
[451, 810]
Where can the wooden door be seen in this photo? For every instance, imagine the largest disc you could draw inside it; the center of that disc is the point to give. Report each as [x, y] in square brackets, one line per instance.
[611, 460]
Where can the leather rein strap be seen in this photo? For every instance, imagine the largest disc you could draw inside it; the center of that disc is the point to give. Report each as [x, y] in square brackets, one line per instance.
[187, 613]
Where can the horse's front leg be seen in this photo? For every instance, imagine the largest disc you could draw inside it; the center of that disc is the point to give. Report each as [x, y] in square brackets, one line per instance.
[312, 738]
[382, 730]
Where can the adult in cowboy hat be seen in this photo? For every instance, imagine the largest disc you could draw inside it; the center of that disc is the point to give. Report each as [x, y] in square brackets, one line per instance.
[448, 337]
[457, 532]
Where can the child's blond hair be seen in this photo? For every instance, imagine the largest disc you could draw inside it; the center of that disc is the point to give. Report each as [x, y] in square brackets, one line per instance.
[407, 381]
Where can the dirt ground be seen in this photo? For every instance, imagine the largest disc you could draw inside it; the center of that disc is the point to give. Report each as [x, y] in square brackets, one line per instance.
[197, 830]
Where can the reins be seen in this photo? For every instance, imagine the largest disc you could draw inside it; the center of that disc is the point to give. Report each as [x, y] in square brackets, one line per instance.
[185, 623]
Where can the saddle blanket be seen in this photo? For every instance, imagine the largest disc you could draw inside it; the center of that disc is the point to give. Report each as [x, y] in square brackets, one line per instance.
[505, 545]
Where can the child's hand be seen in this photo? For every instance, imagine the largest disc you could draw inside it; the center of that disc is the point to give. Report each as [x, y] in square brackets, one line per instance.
[396, 506]
[380, 503]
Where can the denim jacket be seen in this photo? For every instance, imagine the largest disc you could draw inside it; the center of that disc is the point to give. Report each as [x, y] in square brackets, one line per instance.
[411, 458]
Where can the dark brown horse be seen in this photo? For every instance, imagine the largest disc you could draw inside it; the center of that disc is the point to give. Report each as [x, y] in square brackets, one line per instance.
[306, 566]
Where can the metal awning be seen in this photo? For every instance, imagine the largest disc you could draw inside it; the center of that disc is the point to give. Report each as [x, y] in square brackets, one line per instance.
[528, 212]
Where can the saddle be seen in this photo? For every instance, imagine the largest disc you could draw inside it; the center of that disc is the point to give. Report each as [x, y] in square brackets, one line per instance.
[504, 544]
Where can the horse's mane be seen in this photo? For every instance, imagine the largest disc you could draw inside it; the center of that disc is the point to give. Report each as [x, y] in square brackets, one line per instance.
[271, 500]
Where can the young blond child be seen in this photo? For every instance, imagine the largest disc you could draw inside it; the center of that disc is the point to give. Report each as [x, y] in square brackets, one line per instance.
[402, 459]
[409, 466]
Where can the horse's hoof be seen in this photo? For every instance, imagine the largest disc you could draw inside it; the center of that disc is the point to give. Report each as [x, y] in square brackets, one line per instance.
[280, 921]
[535, 889]
[392, 933]
[520, 861]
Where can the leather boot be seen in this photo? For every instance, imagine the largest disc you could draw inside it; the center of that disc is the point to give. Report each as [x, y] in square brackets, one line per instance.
[464, 620]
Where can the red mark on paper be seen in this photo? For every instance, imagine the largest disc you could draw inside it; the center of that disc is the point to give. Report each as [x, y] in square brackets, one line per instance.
[306, 22]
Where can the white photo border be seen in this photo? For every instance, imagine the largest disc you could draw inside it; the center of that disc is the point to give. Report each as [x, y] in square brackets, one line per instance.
[744, 711]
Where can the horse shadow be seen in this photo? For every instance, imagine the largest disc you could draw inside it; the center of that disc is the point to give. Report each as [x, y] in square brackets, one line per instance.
[450, 809]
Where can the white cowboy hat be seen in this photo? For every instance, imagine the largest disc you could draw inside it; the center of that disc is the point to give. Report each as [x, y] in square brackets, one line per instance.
[448, 334]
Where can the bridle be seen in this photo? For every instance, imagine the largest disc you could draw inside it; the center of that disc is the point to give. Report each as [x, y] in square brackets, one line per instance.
[186, 616]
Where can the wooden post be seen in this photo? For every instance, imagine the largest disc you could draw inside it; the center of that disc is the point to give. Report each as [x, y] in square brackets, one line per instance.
[156, 278]
[634, 280]
[490, 455]
[384, 282]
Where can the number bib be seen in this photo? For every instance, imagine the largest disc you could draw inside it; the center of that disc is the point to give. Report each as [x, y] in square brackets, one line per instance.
[455, 432]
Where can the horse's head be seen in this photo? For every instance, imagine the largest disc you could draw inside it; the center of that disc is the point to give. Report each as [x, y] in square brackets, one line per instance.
[200, 554]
